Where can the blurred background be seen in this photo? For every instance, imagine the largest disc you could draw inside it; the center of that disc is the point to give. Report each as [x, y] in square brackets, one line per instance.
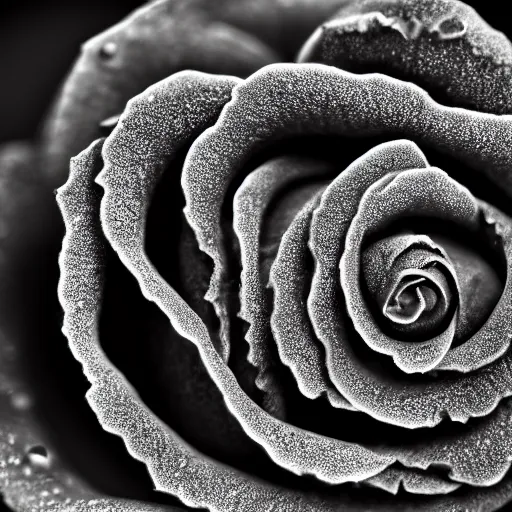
[40, 40]
[38, 43]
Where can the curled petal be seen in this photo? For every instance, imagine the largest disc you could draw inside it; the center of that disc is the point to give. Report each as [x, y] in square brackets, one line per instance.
[493, 339]
[152, 127]
[412, 282]
[429, 193]
[128, 178]
[249, 207]
[395, 400]
[444, 46]
[33, 475]
[480, 453]
[291, 328]
[330, 223]
[155, 41]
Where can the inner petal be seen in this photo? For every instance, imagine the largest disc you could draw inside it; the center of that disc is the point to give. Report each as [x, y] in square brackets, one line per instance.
[412, 285]
[408, 303]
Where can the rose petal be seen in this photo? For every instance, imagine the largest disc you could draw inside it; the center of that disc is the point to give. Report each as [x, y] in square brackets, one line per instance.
[305, 99]
[330, 222]
[479, 453]
[420, 193]
[249, 208]
[155, 41]
[480, 278]
[392, 265]
[283, 25]
[32, 474]
[413, 481]
[292, 331]
[135, 155]
[153, 116]
[493, 339]
[443, 46]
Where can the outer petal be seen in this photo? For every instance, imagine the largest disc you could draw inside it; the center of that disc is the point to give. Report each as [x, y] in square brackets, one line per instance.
[441, 45]
[32, 474]
[155, 41]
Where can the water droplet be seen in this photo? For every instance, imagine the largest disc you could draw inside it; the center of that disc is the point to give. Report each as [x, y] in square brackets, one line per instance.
[12, 459]
[11, 438]
[151, 97]
[21, 401]
[450, 28]
[108, 50]
[37, 456]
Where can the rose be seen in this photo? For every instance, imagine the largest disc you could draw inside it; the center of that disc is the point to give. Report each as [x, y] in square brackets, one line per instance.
[378, 354]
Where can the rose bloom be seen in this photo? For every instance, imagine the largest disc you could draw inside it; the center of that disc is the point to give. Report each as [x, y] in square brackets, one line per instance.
[270, 243]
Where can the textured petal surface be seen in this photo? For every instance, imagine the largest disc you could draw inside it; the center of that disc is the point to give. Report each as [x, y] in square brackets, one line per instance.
[441, 45]
[128, 184]
[250, 204]
[291, 327]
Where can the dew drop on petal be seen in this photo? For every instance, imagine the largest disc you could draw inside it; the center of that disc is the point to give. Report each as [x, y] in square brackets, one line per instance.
[37, 457]
[108, 50]
[450, 28]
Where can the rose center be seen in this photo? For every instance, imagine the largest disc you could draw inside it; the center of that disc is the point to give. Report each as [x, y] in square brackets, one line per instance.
[419, 301]
[410, 284]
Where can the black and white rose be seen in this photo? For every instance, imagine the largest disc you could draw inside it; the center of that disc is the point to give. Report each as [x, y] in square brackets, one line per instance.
[286, 263]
